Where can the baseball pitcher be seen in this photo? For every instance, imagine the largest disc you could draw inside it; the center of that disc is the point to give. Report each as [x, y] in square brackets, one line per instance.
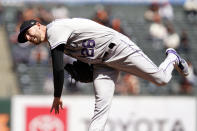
[101, 53]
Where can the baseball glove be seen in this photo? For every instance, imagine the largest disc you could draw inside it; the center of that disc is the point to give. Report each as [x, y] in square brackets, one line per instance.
[80, 71]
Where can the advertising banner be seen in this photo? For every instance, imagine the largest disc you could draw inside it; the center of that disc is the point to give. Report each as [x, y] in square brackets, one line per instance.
[33, 114]
[153, 114]
[126, 114]
[39, 119]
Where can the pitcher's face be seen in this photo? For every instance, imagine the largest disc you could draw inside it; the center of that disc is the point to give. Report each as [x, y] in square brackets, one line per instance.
[33, 35]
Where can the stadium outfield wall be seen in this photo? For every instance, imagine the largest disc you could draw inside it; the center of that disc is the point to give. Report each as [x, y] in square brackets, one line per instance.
[128, 113]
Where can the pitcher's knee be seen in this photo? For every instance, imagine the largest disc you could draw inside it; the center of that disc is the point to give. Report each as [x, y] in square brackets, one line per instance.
[161, 81]
[103, 103]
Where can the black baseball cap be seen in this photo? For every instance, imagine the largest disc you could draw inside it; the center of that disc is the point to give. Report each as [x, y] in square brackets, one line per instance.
[24, 27]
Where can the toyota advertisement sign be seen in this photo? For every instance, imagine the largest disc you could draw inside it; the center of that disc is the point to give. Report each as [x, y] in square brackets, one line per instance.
[39, 119]
[32, 113]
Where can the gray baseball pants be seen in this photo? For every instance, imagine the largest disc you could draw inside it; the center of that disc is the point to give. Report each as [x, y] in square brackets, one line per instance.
[127, 57]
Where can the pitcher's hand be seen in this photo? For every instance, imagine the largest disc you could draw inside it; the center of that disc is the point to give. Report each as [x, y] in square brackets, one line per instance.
[57, 103]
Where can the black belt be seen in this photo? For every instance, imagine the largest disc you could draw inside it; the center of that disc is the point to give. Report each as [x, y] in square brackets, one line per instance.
[111, 46]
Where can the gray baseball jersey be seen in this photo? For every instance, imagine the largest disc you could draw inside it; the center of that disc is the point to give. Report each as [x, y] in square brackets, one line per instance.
[85, 39]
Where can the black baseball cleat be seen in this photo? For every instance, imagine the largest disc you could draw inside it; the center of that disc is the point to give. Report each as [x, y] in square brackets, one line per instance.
[180, 65]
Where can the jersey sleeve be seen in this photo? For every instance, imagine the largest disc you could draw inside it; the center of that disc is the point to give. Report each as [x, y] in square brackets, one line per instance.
[58, 69]
[57, 35]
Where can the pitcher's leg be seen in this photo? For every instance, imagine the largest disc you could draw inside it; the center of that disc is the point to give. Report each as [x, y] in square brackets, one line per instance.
[167, 66]
[140, 65]
[104, 84]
